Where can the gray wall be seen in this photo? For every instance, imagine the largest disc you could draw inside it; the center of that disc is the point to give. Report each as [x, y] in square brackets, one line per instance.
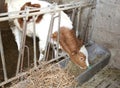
[107, 28]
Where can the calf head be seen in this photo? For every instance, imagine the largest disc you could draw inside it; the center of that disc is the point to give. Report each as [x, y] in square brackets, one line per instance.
[79, 59]
[71, 45]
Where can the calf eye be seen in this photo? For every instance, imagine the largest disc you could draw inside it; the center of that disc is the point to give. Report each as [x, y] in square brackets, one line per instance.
[82, 59]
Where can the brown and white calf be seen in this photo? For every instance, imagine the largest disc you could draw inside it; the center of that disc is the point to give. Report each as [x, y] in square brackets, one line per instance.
[68, 41]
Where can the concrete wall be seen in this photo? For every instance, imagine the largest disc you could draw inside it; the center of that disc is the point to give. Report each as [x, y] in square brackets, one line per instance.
[107, 28]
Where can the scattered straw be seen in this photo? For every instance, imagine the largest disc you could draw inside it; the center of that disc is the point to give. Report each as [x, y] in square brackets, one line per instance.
[50, 76]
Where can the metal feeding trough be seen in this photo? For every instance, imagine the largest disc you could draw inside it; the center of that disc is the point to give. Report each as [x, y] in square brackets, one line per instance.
[98, 57]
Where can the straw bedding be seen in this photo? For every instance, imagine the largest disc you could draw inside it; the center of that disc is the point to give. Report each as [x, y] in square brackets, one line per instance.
[49, 76]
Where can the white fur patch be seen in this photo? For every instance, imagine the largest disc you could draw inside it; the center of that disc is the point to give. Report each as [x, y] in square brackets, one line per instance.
[85, 52]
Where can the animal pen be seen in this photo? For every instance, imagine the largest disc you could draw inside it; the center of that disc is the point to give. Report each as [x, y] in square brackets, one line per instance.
[98, 55]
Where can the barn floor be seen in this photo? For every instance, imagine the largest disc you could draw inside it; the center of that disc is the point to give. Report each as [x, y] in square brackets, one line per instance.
[106, 78]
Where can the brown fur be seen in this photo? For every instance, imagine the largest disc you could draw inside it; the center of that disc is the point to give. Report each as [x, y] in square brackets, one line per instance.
[68, 39]
[71, 45]
[79, 59]
[20, 20]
